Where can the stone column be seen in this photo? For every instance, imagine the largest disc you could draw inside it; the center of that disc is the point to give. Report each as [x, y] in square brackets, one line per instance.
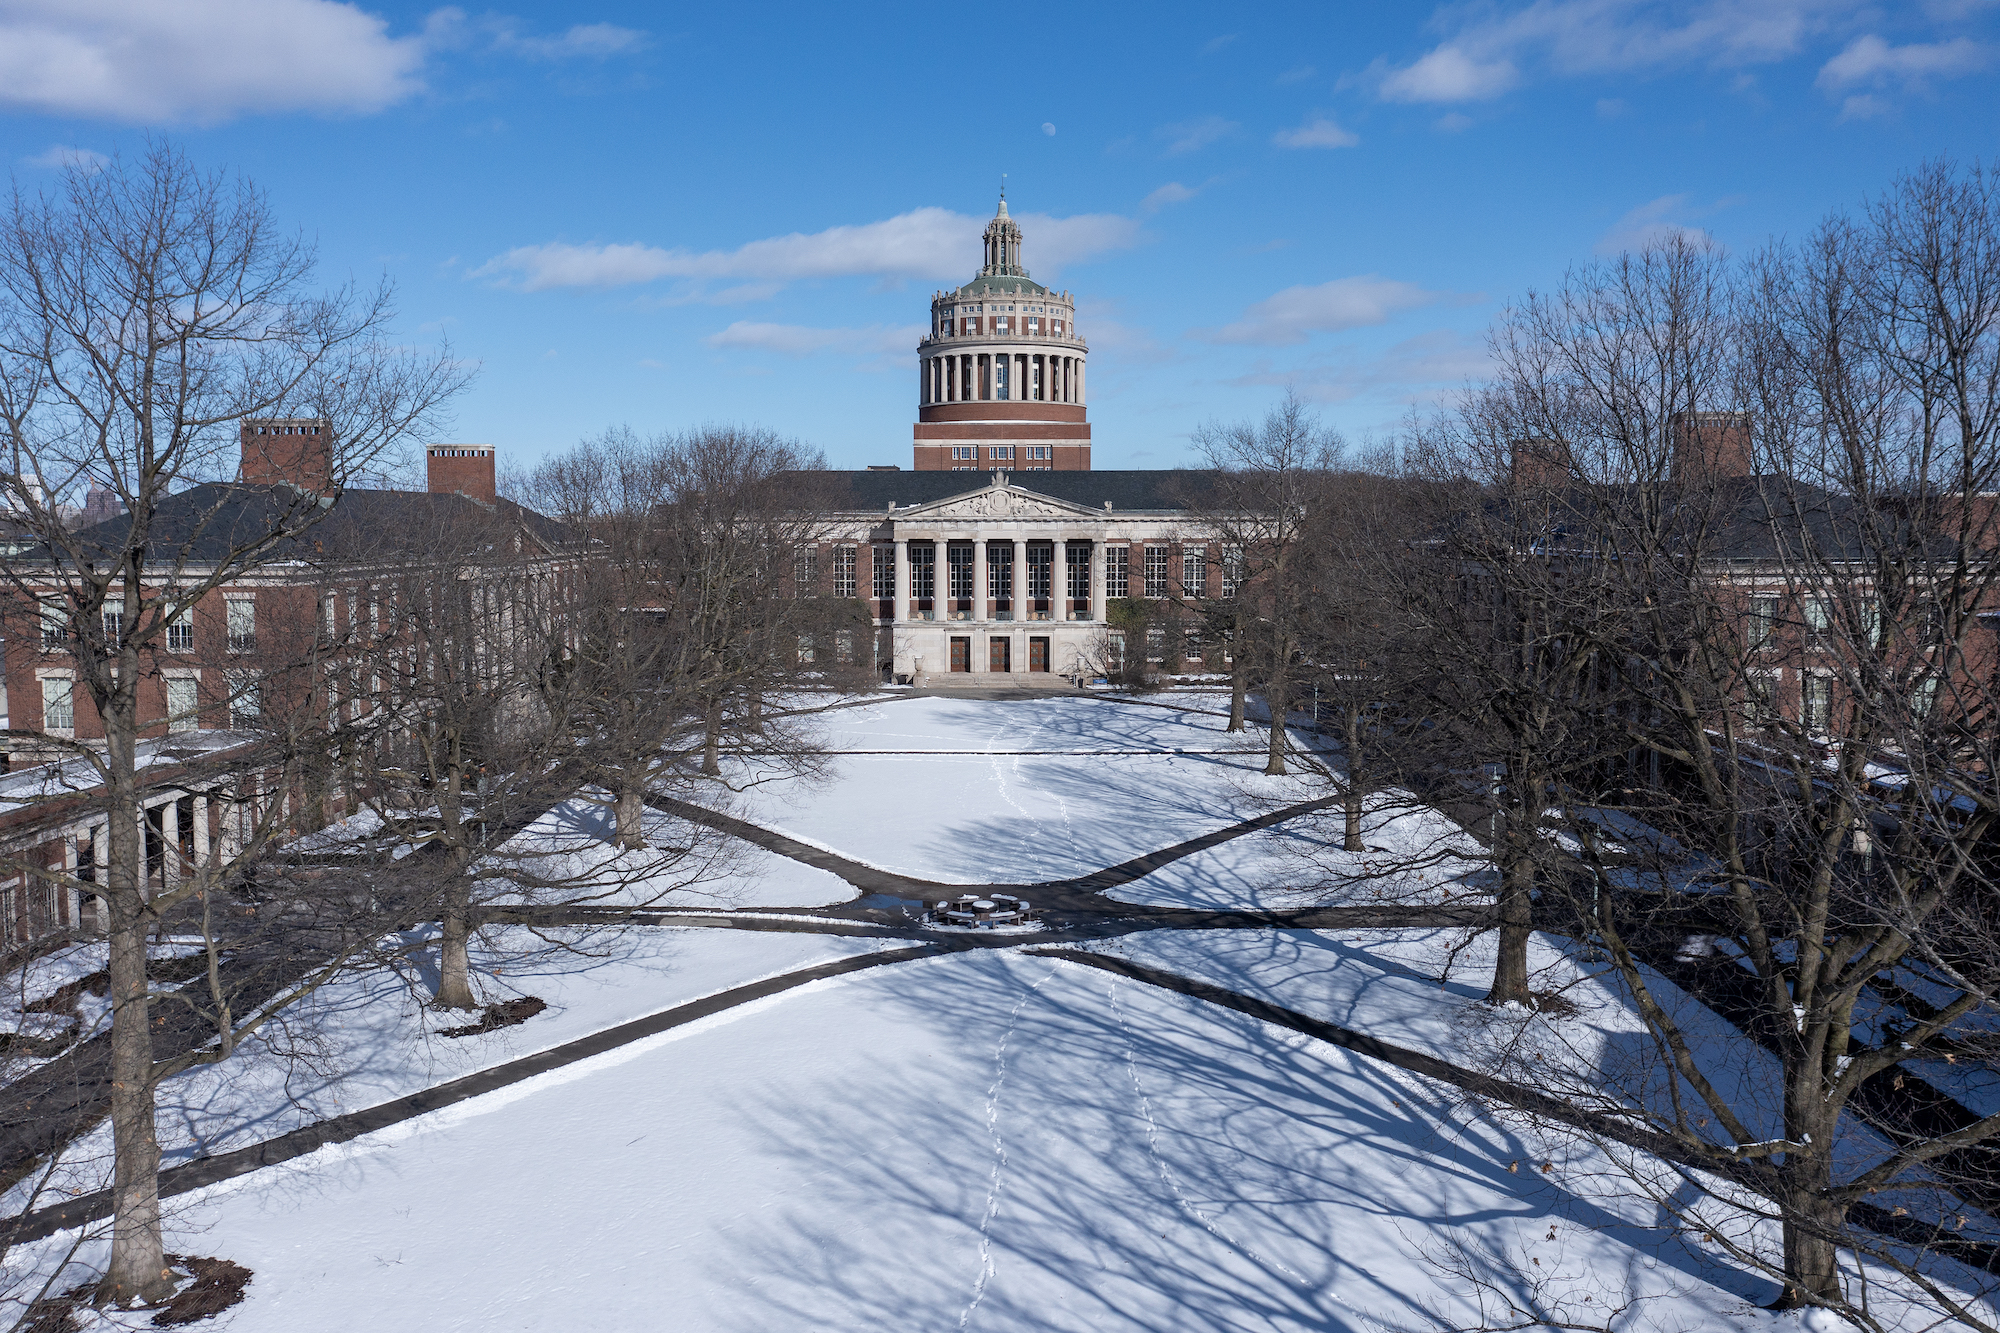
[980, 602]
[1098, 609]
[904, 601]
[201, 830]
[1021, 598]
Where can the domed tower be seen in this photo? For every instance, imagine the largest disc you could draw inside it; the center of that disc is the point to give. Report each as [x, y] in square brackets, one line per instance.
[1000, 382]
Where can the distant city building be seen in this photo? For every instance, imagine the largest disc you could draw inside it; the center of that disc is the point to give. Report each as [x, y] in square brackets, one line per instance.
[100, 503]
[1001, 377]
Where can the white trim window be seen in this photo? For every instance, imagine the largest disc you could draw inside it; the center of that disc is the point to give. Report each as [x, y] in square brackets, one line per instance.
[246, 700]
[882, 570]
[1232, 570]
[1156, 571]
[843, 571]
[1194, 572]
[1117, 570]
[242, 612]
[114, 628]
[58, 705]
[805, 570]
[180, 632]
[183, 704]
[1816, 695]
[1763, 619]
[55, 623]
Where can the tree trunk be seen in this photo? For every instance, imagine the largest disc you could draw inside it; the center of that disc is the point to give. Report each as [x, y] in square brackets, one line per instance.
[1274, 695]
[455, 916]
[1351, 834]
[454, 957]
[138, 1268]
[1510, 969]
[756, 713]
[1811, 1220]
[631, 809]
[1239, 682]
[711, 742]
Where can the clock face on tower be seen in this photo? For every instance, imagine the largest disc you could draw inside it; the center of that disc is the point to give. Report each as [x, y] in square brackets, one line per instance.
[1000, 380]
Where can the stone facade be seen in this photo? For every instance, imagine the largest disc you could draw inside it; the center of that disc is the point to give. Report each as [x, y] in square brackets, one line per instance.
[1004, 585]
[1000, 379]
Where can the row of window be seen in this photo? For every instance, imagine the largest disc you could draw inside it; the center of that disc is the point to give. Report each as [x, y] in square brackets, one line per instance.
[1002, 453]
[971, 326]
[1156, 577]
[240, 617]
[183, 703]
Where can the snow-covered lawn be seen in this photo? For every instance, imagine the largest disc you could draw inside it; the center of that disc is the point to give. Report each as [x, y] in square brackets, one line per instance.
[1016, 792]
[989, 1142]
[360, 1042]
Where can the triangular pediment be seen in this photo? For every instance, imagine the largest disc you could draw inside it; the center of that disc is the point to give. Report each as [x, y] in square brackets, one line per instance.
[997, 500]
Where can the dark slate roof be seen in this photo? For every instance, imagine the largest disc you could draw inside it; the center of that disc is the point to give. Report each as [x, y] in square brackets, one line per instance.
[1153, 489]
[204, 523]
[990, 284]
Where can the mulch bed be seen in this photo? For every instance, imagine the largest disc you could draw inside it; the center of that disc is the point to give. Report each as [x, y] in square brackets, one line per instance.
[215, 1285]
[510, 1014]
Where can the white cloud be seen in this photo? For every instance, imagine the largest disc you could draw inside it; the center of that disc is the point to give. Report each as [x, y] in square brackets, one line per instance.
[1319, 132]
[1651, 224]
[1214, 44]
[925, 243]
[1173, 192]
[63, 155]
[1191, 136]
[1453, 122]
[1486, 52]
[1048, 129]
[1345, 303]
[1415, 371]
[200, 60]
[1448, 74]
[451, 29]
[1297, 74]
[1873, 64]
[800, 340]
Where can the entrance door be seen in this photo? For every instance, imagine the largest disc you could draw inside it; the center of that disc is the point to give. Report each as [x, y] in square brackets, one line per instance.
[961, 654]
[999, 654]
[1038, 654]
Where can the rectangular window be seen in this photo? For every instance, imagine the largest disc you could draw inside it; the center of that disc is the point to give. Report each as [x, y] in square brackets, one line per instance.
[55, 622]
[1760, 697]
[959, 563]
[1818, 704]
[1871, 623]
[882, 564]
[1041, 563]
[182, 704]
[58, 704]
[843, 571]
[1117, 568]
[242, 624]
[1002, 324]
[1000, 571]
[805, 649]
[805, 571]
[114, 628]
[1191, 645]
[1194, 572]
[180, 633]
[1156, 645]
[1923, 698]
[965, 453]
[246, 701]
[1000, 453]
[1078, 560]
[1763, 620]
[1038, 453]
[1232, 570]
[923, 571]
[1034, 325]
[1156, 571]
[1818, 618]
[843, 646]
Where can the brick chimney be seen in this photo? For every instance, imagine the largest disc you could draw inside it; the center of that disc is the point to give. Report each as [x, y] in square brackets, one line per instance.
[466, 469]
[1538, 464]
[1708, 446]
[298, 450]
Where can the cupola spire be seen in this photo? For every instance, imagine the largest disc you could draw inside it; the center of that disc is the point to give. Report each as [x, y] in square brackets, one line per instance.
[1003, 243]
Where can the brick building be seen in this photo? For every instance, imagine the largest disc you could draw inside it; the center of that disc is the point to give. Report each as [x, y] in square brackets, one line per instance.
[1006, 579]
[1000, 378]
[256, 645]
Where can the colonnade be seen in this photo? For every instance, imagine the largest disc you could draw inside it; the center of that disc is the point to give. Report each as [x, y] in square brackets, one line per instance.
[988, 590]
[1033, 377]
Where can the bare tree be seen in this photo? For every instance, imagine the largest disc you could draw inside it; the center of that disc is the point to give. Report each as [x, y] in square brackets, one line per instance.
[145, 310]
[1267, 481]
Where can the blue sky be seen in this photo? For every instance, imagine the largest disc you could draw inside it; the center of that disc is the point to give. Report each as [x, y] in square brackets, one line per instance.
[664, 216]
